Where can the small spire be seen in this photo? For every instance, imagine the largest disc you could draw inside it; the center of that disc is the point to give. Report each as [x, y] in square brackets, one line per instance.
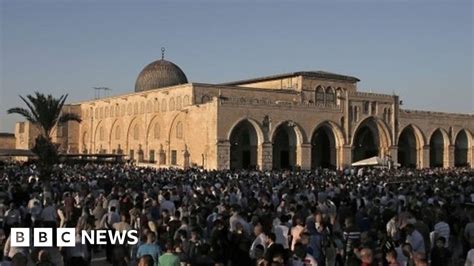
[162, 53]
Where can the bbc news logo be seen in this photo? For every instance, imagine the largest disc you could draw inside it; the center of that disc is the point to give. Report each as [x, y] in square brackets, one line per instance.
[67, 237]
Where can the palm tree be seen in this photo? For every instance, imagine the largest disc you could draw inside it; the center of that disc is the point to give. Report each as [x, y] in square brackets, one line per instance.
[45, 112]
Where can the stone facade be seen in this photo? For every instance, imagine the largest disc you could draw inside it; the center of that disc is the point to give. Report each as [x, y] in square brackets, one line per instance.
[301, 119]
[7, 141]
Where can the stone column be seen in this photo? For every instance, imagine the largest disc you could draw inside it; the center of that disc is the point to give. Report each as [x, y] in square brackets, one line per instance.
[265, 156]
[425, 157]
[470, 156]
[393, 152]
[223, 155]
[448, 156]
[346, 152]
[303, 156]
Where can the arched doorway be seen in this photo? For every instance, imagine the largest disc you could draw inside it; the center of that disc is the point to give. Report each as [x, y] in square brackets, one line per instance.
[461, 149]
[243, 146]
[407, 148]
[437, 149]
[366, 142]
[284, 147]
[323, 148]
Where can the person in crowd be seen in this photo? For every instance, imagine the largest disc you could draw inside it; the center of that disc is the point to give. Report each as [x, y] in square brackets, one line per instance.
[440, 254]
[149, 247]
[169, 258]
[240, 217]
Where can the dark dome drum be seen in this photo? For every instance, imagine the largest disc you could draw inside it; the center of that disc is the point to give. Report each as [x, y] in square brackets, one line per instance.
[159, 74]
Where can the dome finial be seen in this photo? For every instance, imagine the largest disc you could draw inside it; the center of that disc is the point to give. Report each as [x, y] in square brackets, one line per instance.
[162, 53]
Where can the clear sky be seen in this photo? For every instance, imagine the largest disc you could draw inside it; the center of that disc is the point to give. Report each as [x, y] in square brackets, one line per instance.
[421, 50]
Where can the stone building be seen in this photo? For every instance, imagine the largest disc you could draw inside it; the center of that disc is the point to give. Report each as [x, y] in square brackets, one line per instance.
[303, 119]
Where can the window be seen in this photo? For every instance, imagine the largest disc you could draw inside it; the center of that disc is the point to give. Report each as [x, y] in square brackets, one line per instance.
[152, 156]
[141, 156]
[157, 106]
[149, 107]
[356, 113]
[186, 100]
[136, 132]
[330, 96]
[319, 95]
[178, 103]
[21, 128]
[117, 132]
[132, 154]
[179, 130]
[163, 105]
[373, 108]
[366, 107]
[174, 157]
[205, 98]
[171, 106]
[156, 131]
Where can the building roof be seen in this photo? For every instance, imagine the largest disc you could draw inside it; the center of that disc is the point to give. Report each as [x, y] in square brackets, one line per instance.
[314, 74]
[6, 134]
[16, 152]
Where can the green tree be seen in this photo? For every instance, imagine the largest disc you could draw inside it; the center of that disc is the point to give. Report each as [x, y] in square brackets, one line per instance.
[45, 112]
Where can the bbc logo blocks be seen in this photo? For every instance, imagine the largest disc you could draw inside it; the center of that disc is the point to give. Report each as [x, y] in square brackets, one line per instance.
[43, 237]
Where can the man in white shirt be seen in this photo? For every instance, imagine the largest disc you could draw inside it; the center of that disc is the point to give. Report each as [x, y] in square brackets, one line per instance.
[261, 239]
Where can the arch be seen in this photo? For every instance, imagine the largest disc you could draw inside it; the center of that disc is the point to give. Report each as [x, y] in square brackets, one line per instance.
[300, 136]
[135, 139]
[325, 140]
[85, 141]
[286, 137]
[205, 98]
[255, 125]
[177, 152]
[439, 141]
[99, 137]
[462, 142]
[410, 144]
[371, 137]
[113, 128]
[243, 138]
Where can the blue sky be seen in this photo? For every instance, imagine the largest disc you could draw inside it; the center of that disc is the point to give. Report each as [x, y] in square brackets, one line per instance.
[420, 50]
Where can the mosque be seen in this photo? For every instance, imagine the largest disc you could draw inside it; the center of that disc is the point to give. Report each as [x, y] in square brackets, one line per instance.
[306, 119]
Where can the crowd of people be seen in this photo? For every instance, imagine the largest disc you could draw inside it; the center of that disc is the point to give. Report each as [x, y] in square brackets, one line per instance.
[232, 218]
